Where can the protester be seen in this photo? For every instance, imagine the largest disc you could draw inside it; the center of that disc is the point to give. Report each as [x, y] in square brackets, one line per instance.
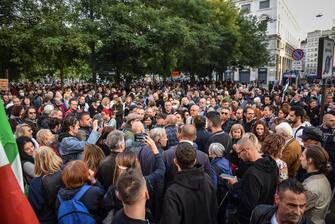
[219, 164]
[218, 135]
[27, 154]
[290, 203]
[93, 155]
[128, 160]
[273, 146]
[292, 149]
[186, 134]
[202, 134]
[315, 161]
[132, 190]
[44, 187]
[115, 143]
[261, 131]
[70, 147]
[160, 138]
[215, 106]
[258, 184]
[80, 184]
[191, 198]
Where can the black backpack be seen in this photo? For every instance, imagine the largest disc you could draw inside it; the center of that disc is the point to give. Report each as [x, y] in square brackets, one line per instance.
[222, 188]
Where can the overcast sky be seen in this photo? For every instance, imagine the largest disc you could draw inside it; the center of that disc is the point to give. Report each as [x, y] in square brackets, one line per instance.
[306, 11]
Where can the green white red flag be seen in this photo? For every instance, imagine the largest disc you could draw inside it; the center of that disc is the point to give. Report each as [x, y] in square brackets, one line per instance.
[14, 206]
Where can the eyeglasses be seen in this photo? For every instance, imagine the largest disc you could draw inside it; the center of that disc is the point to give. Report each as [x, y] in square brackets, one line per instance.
[225, 113]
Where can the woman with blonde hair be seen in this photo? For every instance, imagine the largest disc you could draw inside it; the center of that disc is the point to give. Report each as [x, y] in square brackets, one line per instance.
[93, 155]
[236, 132]
[45, 137]
[26, 130]
[44, 187]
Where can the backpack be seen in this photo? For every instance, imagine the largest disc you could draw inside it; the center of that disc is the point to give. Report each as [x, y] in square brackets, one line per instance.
[222, 188]
[74, 211]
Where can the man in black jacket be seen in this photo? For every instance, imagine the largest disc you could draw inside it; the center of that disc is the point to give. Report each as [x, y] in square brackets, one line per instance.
[187, 134]
[258, 183]
[191, 199]
[218, 135]
[290, 202]
[105, 173]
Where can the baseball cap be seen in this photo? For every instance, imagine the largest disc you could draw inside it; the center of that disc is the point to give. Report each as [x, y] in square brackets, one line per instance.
[312, 133]
[133, 116]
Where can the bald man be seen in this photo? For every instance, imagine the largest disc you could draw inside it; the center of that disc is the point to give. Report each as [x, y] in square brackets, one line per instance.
[187, 134]
[328, 130]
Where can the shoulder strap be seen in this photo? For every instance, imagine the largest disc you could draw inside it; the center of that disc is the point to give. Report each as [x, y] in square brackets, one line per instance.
[81, 192]
[295, 134]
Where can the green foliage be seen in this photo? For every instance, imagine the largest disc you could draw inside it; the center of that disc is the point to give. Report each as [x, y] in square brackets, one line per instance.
[79, 38]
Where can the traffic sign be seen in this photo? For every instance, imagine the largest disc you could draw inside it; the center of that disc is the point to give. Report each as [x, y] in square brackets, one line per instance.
[298, 54]
[297, 65]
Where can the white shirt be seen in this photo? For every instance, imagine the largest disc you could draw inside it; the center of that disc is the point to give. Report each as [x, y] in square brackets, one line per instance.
[274, 219]
[298, 131]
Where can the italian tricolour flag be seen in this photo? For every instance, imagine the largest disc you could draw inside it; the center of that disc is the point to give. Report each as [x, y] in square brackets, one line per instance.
[14, 206]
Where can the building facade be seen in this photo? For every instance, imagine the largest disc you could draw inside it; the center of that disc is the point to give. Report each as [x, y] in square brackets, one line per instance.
[283, 35]
[312, 48]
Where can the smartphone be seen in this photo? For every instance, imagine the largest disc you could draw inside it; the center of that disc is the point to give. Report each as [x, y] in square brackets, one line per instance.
[226, 176]
[140, 137]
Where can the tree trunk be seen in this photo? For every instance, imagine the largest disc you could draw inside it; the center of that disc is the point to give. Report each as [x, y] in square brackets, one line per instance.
[93, 62]
[62, 77]
[92, 46]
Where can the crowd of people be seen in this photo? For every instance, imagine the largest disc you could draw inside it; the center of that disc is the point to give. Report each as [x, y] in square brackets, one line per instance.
[174, 152]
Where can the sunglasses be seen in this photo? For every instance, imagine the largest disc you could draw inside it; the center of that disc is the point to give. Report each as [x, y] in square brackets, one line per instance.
[32, 112]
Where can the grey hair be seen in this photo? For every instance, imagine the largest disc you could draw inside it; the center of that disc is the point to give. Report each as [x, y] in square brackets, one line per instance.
[217, 149]
[157, 133]
[284, 129]
[115, 139]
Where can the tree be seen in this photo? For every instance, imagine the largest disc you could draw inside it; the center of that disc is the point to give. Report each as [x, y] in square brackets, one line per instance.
[252, 40]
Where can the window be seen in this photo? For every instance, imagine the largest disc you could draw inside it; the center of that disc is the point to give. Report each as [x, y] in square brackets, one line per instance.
[245, 8]
[264, 4]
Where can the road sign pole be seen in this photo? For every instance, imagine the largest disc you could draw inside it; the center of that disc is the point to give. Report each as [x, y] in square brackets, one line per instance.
[323, 98]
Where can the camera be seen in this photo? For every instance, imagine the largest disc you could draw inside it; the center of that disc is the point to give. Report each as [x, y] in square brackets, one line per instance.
[140, 137]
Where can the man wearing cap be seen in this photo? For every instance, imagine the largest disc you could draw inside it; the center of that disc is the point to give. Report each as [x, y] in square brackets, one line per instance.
[311, 136]
[128, 134]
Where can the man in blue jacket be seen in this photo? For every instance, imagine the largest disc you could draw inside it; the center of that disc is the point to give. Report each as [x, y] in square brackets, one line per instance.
[70, 147]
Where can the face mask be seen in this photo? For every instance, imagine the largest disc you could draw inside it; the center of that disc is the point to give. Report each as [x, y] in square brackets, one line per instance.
[21, 94]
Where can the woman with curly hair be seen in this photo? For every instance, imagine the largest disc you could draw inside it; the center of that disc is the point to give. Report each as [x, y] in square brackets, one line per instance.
[273, 146]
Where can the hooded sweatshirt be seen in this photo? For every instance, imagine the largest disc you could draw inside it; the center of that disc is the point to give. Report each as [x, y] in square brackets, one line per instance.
[257, 186]
[191, 199]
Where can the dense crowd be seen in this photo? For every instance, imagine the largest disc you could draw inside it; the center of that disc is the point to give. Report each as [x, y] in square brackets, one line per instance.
[175, 152]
